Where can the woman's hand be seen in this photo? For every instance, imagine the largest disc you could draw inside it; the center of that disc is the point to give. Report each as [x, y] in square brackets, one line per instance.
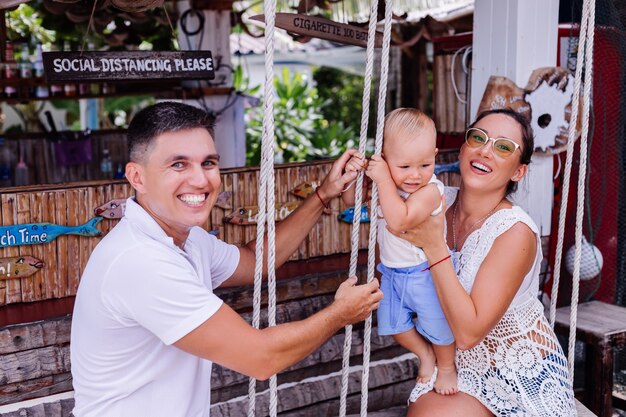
[428, 234]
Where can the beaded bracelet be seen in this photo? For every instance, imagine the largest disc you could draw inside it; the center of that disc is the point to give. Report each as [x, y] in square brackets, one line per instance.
[438, 262]
[326, 206]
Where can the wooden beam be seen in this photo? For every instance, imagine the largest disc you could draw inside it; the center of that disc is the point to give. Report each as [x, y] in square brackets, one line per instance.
[9, 4]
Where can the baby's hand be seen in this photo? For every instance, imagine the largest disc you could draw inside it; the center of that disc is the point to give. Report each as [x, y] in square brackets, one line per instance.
[378, 170]
[356, 163]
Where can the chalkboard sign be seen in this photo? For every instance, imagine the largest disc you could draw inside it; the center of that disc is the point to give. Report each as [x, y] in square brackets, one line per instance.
[128, 65]
[319, 27]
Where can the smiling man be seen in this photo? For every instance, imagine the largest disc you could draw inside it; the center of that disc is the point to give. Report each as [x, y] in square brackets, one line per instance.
[147, 325]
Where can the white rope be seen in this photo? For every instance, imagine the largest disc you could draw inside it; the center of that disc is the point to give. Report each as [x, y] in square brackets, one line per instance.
[371, 259]
[266, 207]
[582, 174]
[358, 198]
[466, 51]
[585, 54]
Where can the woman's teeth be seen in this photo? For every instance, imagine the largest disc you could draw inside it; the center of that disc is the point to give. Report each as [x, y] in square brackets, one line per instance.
[481, 167]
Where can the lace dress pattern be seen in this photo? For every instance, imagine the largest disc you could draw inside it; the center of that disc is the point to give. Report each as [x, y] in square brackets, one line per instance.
[518, 369]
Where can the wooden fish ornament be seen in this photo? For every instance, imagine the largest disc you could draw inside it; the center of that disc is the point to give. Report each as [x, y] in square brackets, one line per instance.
[224, 200]
[348, 215]
[19, 266]
[114, 209]
[305, 189]
[35, 233]
[248, 214]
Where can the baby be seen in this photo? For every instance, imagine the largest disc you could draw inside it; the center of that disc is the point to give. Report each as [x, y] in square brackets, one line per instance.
[409, 193]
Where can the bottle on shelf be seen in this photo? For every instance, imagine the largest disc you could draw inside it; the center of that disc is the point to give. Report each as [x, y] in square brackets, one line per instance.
[41, 90]
[21, 170]
[10, 71]
[6, 179]
[68, 88]
[94, 88]
[26, 66]
[106, 165]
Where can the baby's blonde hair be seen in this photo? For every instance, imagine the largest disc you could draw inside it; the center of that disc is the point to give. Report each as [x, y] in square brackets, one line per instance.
[406, 119]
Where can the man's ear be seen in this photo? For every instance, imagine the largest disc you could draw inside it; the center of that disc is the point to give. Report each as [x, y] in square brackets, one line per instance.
[520, 172]
[135, 176]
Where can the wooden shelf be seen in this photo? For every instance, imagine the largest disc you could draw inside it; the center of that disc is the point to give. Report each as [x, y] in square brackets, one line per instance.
[159, 88]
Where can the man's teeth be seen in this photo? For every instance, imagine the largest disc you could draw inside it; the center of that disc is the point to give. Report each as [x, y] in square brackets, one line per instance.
[481, 167]
[193, 199]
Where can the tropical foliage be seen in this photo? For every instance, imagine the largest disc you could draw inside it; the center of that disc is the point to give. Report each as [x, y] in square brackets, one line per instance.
[302, 132]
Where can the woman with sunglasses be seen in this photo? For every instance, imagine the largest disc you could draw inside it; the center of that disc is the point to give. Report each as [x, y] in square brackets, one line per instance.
[508, 359]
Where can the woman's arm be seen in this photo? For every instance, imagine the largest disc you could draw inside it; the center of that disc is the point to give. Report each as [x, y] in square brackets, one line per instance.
[472, 316]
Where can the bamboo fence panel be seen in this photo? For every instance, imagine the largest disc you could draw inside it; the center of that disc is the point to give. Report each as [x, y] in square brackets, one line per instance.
[73, 204]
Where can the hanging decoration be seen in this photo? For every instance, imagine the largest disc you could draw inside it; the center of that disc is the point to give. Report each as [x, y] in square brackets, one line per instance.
[546, 101]
[36, 233]
[19, 266]
[320, 27]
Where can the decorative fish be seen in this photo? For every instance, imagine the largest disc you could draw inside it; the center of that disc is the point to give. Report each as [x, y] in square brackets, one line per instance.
[305, 189]
[451, 167]
[348, 215]
[248, 214]
[224, 200]
[35, 233]
[114, 209]
[19, 266]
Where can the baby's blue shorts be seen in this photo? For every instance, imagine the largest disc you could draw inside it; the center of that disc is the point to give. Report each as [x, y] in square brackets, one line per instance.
[409, 292]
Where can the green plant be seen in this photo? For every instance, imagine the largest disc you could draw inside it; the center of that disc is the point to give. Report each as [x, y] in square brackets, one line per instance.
[301, 130]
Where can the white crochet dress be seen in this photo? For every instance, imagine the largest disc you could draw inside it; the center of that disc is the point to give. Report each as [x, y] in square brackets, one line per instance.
[518, 369]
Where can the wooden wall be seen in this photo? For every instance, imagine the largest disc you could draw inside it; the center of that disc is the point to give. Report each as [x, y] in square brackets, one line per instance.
[34, 357]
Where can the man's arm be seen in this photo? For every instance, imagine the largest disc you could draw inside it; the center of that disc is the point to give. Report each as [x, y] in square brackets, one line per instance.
[291, 231]
[225, 338]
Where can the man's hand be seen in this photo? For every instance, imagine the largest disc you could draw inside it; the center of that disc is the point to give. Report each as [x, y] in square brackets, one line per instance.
[356, 163]
[338, 177]
[378, 170]
[354, 303]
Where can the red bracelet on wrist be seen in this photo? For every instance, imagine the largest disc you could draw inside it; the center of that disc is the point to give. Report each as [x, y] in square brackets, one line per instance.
[326, 206]
[436, 263]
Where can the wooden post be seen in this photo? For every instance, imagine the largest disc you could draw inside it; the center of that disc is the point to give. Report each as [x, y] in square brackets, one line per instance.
[512, 38]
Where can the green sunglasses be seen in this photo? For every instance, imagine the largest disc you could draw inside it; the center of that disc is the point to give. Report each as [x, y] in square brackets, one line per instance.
[503, 147]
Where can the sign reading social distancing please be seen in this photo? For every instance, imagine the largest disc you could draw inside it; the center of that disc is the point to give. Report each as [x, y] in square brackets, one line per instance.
[128, 65]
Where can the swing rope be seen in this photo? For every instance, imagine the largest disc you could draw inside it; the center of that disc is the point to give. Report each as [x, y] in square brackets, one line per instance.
[266, 207]
[345, 371]
[585, 54]
[378, 148]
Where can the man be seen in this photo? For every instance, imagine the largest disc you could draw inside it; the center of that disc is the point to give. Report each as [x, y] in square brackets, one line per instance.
[146, 325]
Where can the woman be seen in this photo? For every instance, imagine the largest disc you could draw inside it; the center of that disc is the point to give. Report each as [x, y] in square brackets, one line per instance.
[508, 360]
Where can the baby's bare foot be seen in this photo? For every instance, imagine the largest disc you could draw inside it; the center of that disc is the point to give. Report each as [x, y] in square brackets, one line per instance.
[426, 368]
[446, 382]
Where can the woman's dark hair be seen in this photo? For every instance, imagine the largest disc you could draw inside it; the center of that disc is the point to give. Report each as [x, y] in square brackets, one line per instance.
[528, 139]
[160, 118]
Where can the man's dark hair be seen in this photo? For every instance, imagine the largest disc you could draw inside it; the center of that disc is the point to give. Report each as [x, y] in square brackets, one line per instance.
[528, 138]
[162, 118]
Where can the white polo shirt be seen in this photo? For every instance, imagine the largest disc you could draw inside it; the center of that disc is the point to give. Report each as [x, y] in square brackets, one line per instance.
[138, 295]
